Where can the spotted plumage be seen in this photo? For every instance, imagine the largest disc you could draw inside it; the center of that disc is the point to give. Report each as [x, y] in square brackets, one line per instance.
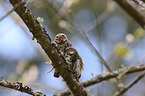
[74, 61]
[61, 41]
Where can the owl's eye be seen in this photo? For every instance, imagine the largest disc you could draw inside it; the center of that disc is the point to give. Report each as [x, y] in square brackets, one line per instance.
[64, 37]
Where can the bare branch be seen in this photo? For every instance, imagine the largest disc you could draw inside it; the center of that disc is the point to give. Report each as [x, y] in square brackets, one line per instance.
[123, 90]
[7, 14]
[133, 10]
[20, 87]
[98, 54]
[45, 41]
[124, 72]
[100, 78]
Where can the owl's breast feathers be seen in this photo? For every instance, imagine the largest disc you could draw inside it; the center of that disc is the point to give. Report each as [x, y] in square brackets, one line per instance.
[75, 61]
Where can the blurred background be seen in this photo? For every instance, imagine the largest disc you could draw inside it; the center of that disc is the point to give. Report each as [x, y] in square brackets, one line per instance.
[117, 37]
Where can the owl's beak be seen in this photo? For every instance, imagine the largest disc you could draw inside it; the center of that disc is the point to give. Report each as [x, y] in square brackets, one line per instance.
[60, 39]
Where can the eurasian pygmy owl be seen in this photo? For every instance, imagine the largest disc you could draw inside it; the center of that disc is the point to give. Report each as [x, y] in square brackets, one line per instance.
[74, 61]
[61, 43]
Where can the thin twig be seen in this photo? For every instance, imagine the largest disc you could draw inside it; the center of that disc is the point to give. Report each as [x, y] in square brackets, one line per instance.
[123, 90]
[124, 72]
[100, 78]
[7, 14]
[50, 70]
[96, 26]
[86, 36]
[129, 68]
[20, 87]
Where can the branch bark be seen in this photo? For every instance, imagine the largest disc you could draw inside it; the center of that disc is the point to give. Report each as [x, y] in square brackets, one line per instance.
[20, 87]
[123, 90]
[133, 10]
[100, 78]
[45, 41]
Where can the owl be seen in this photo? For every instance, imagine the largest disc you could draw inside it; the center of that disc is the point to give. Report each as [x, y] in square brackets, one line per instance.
[61, 41]
[74, 61]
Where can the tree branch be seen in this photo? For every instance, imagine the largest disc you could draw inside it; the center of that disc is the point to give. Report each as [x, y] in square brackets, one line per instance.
[100, 78]
[45, 41]
[123, 90]
[7, 14]
[20, 87]
[133, 10]
[127, 70]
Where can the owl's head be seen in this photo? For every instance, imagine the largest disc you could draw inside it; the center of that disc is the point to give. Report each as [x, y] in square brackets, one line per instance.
[60, 38]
